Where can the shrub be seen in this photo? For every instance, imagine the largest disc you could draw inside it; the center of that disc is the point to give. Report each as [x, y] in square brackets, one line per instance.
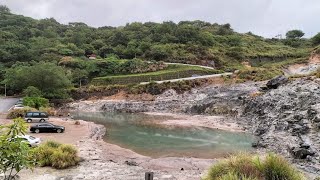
[249, 167]
[32, 91]
[277, 168]
[234, 176]
[35, 102]
[53, 144]
[77, 122]
[56, 155]
[16, 113]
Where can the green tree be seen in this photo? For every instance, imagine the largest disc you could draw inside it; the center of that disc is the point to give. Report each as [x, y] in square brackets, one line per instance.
[35, 102]
[32, 91]
[15, 154]
[4, 9]
[316, 39]
[294, 34]
[49, 78]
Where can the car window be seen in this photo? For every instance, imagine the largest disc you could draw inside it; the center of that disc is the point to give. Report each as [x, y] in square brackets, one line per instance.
[29, 114]
[47, 125]
[36, 114]
[31, 137]
[43, 114]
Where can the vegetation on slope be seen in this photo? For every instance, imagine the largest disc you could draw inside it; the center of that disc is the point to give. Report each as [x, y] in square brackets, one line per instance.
[131, 49]
[172, 72]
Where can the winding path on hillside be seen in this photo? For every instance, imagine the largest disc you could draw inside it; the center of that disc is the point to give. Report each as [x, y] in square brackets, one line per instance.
[207, 67]
[191, 78]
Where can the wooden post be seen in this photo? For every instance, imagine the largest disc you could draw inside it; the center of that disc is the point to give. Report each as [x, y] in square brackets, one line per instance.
[148, 176]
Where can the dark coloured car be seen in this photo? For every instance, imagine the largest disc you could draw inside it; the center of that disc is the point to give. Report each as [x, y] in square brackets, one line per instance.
[47, 128]
[36, 116]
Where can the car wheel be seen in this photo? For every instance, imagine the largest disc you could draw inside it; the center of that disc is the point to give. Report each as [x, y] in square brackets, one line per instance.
[59, 131]
[42, 120]
[29, 120]
[37, 131]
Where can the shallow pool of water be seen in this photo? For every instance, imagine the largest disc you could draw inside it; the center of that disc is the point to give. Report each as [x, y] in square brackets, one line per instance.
[139, 133]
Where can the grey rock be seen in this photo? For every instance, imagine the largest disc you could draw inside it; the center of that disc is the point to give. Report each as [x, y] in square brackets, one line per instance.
[301, 153]
[131, 163]
[276, 82]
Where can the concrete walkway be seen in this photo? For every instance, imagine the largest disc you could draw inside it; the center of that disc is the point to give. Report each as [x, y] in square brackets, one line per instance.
[207, 67]
[192, 78]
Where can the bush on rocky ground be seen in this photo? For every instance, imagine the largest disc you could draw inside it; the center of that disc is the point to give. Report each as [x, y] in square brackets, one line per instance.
[59, 156]
[18, 113]
[248, 167]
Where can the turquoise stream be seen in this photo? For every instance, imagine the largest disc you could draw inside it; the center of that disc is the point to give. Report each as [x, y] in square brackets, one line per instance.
[139, 133]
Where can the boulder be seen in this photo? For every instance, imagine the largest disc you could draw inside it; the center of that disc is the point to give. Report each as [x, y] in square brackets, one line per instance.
[260, 130]
[276, 82]
[131, 163]
[300, 129]
[301, 153]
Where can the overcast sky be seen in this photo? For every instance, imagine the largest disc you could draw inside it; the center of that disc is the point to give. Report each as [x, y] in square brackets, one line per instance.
[263, 17]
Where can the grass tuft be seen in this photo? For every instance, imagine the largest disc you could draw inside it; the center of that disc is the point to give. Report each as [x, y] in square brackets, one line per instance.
[248, 167]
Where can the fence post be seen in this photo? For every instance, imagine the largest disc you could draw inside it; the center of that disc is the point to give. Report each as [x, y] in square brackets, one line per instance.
[148, 176]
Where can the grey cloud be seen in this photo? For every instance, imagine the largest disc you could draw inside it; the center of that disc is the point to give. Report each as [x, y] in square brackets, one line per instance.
[263, 17]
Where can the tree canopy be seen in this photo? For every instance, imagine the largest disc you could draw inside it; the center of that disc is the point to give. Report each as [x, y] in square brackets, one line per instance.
[49, 78]
[294, 34]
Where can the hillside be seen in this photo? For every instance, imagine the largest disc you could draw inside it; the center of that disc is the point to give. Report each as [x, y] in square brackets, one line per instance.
[26, 42]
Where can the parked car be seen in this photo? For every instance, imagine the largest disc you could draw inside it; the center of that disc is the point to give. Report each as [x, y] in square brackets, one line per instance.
[20, 101]
[32, 141]
[46, 127]
[36, 116]
[18, 106]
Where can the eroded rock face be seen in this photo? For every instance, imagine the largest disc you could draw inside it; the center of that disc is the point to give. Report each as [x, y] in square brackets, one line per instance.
[286, 120]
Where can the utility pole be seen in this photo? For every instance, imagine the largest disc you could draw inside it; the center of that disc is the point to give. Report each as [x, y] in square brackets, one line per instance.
[5, 90]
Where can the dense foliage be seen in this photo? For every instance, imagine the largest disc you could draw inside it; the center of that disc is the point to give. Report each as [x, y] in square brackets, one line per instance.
[35, 102]
[51, 56]
[25, 39]
[49, 78]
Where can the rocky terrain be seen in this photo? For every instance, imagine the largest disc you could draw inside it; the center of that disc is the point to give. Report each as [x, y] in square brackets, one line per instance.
[286, 118]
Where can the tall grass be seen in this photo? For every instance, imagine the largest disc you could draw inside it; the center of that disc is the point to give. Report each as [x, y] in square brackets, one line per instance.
[247, 167]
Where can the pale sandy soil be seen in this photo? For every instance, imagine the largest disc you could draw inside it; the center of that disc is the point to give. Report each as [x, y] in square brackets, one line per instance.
[304, 69]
